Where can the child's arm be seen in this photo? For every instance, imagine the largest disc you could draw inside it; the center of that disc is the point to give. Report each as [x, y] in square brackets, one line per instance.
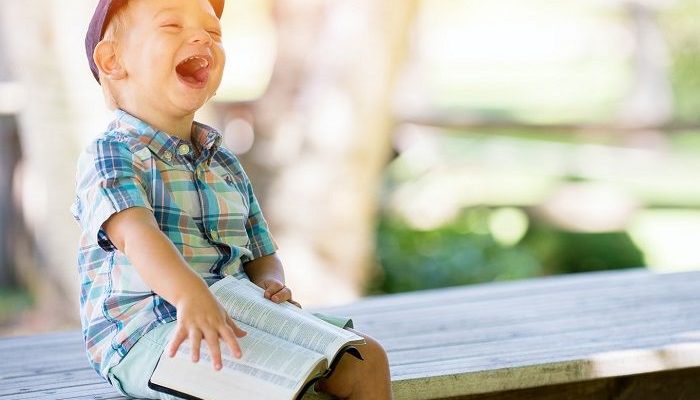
[268, 273]
[135, 232]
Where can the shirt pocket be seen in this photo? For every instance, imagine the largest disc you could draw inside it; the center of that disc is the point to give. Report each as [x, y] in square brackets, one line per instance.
[183, 192]
[232, 218]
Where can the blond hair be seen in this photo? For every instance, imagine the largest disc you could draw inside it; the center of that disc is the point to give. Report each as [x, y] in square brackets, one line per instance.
[113, 33]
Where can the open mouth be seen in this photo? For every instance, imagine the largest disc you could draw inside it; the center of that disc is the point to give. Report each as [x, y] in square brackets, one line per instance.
[194, 71]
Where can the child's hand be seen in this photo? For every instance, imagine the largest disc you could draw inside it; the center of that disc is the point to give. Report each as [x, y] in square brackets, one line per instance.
[294, 302]
[276, 291]
[200, 316]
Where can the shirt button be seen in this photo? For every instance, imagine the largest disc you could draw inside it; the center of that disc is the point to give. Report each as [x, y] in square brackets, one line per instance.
[183, 149]
[214, 234]
[168, 156]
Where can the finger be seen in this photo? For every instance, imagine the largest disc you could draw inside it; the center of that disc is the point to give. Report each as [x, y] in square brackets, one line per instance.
[176, 341]
[283, 295]
[236, 329]
[196, 339]
[273, 286]
[212, 339]
[294, 302]
[230, 339]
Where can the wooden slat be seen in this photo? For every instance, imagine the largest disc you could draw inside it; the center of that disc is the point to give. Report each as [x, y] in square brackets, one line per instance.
[461, 341]
[612, 283]
[535, 332]
[464, 329]
[67, 392]
[29, 383]
[675, 385]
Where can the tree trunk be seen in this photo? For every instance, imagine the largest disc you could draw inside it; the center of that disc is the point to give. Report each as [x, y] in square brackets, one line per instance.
[9, 157]
[55, 115]
[325, 127]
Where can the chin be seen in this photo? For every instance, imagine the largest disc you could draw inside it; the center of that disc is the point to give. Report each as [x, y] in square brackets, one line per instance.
[191, 102]
[193, 98]
[189, 107]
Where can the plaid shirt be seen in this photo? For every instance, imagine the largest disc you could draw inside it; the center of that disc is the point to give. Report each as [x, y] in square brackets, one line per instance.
[206, 207]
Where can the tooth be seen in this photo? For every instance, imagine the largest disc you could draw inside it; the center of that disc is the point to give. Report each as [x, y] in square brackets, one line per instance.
[203, 62]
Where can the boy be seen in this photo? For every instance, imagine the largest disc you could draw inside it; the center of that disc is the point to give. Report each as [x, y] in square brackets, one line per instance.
[166, 211]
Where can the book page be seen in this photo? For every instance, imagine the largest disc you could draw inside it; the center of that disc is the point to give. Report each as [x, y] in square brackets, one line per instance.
[245, 302]
[270, 368]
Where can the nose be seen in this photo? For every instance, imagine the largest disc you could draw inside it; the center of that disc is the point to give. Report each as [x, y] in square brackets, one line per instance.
[201, 36]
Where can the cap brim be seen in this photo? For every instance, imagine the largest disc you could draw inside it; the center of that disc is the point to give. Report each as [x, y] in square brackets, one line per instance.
[218, 7]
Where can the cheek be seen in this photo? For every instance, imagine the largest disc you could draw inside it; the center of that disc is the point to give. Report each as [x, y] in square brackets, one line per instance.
[155, 57]
[221, 56]
[146, 66]
[162, 55]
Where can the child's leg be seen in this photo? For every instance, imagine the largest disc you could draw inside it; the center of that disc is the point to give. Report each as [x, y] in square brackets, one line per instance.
[357, 379]
[131, 375]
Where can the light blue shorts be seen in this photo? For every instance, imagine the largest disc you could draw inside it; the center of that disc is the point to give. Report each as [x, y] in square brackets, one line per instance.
[130, 377]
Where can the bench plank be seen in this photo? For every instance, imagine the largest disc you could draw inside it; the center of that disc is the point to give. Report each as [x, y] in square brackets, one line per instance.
[505, 336]
[667, 385]
[462, 341]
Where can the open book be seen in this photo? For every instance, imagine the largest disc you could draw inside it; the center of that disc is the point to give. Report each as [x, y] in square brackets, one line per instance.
[285, 352]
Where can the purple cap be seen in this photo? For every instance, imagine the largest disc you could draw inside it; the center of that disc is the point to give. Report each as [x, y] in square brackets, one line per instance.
[104, 11]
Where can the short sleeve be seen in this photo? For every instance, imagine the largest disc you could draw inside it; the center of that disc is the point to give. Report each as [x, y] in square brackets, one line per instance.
[261, 240]
[110, 178]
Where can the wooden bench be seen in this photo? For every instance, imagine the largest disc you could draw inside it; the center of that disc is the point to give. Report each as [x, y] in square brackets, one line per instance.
[628, 334]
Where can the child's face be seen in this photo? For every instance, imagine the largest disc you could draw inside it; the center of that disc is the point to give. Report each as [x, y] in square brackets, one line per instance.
[173, 57]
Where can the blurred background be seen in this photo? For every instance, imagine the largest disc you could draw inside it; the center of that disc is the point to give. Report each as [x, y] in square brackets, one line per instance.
[395, 145]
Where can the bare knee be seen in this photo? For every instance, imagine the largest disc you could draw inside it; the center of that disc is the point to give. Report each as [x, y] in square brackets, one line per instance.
[361, 379]
[376, 377]
[373, 352]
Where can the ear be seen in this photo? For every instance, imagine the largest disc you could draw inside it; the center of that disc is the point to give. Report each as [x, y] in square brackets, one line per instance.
[105, 56]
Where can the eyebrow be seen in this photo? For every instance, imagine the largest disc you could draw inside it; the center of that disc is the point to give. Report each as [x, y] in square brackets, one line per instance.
[165, 10]
[171, 9]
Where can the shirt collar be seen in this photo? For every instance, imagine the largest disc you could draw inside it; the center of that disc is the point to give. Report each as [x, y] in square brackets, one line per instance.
[166, 146]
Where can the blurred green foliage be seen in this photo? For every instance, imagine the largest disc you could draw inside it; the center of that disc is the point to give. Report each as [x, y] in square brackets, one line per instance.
[465, 252]
[12, 302]
[413, 260]
[562, 252]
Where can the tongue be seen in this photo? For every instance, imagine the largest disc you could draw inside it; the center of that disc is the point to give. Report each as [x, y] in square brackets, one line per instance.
[201, 74]
[193, 71]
